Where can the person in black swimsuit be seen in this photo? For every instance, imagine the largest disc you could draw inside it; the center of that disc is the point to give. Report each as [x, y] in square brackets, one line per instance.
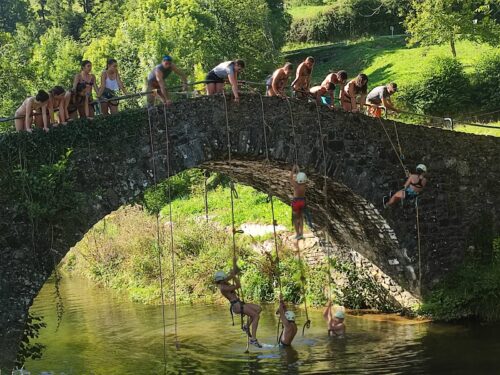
[412, 188]
[73, 99]
[86, 77]
[156, 80]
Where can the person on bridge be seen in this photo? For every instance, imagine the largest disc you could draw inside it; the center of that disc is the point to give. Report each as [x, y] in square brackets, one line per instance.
[85, 76]
[156, 80]
[356, 87]
[24, 114]
[302, 81]
[73, 99]
[298, 180]
[111, 83]
[287, 318]
[328, 87]
[237, 306]
[335, 323]
[56, 102]
[381, 96]
[412, 187]
[226, 70]
[276, 83]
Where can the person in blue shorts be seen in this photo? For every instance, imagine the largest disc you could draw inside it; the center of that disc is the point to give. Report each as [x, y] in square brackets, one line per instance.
[412, 187]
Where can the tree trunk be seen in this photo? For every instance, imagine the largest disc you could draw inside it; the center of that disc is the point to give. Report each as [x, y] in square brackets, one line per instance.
[452, 45]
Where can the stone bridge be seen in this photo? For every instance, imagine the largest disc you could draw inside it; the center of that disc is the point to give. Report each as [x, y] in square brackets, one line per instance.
[47, 210]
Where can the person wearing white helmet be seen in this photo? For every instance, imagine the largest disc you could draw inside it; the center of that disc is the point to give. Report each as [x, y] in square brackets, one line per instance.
[287, 318]
[298, 181]
[335, 322]
[412, 187]
[237, 306]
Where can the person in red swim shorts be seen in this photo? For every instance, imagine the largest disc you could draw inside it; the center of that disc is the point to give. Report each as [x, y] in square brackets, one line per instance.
[298, 180]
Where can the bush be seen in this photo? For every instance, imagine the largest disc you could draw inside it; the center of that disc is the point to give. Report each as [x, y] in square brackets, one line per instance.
[443, 92]
[486, 82]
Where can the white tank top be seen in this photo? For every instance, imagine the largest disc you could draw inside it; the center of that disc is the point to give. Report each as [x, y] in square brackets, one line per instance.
[112, 84]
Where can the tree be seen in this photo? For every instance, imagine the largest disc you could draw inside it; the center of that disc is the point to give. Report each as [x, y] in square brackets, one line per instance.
[12, 12]
[446, 21]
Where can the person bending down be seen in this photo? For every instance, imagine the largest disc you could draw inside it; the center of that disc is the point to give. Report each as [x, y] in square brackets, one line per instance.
[156, 80]
[226, 70]
[328, 87]
[412, 188]
[276, 83]
[24, 114]
[237, 306]
[335, 323]
[381, 96]
[355, 88]
[298, 181]
[302, 81]
[287, 318]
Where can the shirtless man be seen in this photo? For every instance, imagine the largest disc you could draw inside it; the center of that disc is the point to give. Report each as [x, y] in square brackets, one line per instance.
[356, 87]
[298, 181]
[237, 306]
[302, 80]
[24, 114]
[277, 82]
[156, 80]
[381, 96]
[412, 188]
[328, 86]
[287, 318]
[336, 325]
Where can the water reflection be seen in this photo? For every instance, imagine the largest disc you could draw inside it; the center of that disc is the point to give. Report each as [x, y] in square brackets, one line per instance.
[102, 333]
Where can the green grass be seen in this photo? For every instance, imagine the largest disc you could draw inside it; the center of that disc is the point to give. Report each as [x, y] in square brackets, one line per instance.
[478, 130]
[250, 207]
[307, 11]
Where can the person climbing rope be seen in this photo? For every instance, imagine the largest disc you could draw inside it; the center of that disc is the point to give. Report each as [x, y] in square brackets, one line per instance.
[298, 181]
[412, 187]
[156, 80]
[237, 306]
[381, 96]
[276, 83]
[287, 318]
[335, 323]
[302, 81]
[226, 70]
[328, 87]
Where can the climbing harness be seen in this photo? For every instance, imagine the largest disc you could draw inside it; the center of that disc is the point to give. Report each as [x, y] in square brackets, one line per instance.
[172, 251]
[234, 194]
[158, 247]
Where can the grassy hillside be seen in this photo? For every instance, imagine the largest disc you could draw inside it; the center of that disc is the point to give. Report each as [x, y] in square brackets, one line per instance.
[307, 11]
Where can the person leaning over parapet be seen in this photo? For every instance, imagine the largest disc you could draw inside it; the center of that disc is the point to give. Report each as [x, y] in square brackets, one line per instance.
[156, 80]
[356, 87]
[381, 96]
[328, 86]
[24, 114]
[302, 81]
[276, 83]
[226, 70]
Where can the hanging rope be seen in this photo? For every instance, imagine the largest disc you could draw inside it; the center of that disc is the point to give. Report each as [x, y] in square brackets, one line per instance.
[172, 251]
[397, 139]
[418, 246]
[406, 171]
[205, 194]
[158, 247]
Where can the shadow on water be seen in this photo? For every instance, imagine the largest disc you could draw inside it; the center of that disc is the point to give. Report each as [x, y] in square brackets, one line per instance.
[102, 333]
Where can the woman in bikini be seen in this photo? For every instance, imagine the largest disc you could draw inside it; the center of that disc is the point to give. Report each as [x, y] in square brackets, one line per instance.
[111, 83]
[25, 113]
[85, 76]
[412, 188]
[56, 102]
[357, 87]
[74, 99]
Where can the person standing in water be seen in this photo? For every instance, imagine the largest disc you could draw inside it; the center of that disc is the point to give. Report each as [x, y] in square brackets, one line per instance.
[237, 306]
[86, 77]
[412, 187]
[335, 323]
[24, 114]
[298, 181]
[302, 80]
[276, 83]
[111, 83]
[381, 96]
[156, 80]
[226, 70]
[287, 318]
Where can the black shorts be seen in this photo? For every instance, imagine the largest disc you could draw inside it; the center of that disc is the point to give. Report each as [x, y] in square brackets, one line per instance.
[214, 78]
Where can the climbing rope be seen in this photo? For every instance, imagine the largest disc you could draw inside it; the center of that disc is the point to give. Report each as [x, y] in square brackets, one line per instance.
[234, 194]
[399, 156]
[205, 193]
[307, 324]
[397, 139]
[172, 251]
[158, 244]
[418, 245]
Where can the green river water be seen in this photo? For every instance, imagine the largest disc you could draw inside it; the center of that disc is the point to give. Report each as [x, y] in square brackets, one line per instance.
[103, 333]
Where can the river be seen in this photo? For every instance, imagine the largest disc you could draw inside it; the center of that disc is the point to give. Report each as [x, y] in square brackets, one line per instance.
[104, 333]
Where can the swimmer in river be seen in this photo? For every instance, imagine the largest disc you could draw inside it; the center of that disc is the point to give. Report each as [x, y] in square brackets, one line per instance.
[237, 306]
[335, 323]
[287, 318]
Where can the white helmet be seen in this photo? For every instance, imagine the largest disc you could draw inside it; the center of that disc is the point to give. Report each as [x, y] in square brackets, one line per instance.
[422, 167]
[290, 316]
[340, 314]
[220, 276]
[301, 178]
